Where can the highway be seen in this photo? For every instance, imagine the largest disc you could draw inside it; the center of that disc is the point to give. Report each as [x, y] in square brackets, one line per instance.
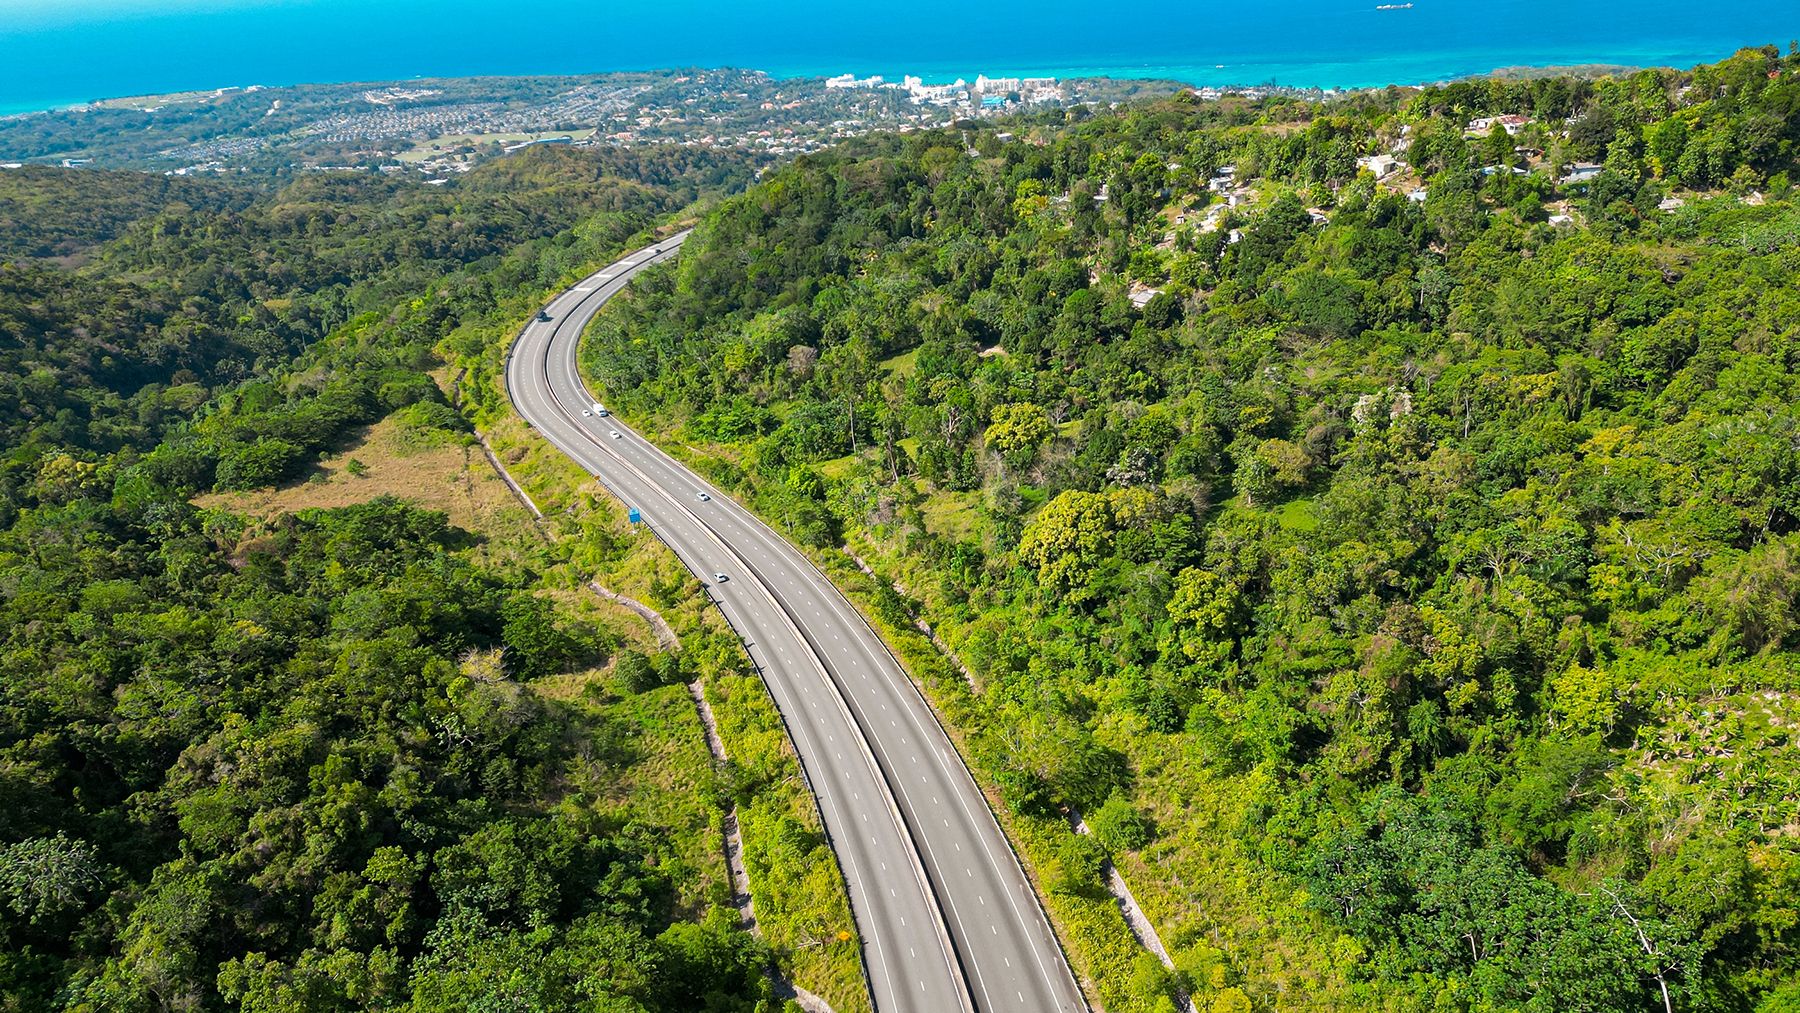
[945, 916]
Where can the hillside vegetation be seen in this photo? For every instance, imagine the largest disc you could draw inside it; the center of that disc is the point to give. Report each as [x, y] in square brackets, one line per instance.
[349, 756]
[1401, 573]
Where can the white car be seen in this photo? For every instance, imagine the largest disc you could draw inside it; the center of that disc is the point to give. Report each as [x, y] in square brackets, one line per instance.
[616, 434]
[719, 578]
[585, 413]
[703, 497]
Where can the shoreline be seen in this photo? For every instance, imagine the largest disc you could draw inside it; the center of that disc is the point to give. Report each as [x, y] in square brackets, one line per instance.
[1355, 75]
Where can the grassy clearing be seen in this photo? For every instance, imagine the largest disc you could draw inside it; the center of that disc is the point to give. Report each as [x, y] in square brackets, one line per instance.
[903, 365]
[954, 515]
[837, 467]
[1298, 515]
[443, 475]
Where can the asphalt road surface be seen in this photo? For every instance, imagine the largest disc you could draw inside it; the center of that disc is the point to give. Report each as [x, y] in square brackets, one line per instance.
[946, 918]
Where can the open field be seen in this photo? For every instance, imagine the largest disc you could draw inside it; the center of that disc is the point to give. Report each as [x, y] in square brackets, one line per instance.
[438, 147]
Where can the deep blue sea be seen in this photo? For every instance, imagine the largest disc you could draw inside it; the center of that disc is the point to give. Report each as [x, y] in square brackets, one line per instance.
[58, 52]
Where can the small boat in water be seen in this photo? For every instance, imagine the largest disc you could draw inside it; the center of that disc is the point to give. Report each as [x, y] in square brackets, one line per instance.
[1393, 7]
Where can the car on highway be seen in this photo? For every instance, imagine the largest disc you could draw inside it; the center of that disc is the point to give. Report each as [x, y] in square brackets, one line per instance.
[585, 413]
[616, 434]
[720, 578]
[703, 497]
[543, 316]
[600, 410]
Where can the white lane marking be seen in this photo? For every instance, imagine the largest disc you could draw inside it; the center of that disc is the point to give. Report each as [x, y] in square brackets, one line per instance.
[837, 637]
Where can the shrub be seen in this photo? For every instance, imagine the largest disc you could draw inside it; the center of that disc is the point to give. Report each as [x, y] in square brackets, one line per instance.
[1120, 826]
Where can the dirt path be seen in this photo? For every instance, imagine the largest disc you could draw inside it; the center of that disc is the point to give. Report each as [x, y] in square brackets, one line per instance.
[665, 636]
[1133, 912]
[518, 490]
[734, 844]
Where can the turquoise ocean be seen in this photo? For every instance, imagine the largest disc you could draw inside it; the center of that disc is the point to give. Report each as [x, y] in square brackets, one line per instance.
[60, 52]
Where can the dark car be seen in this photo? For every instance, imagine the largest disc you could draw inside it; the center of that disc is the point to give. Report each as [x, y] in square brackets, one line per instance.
[543, 316]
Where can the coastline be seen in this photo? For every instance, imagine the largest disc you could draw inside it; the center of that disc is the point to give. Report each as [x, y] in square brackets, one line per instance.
[1408, 70]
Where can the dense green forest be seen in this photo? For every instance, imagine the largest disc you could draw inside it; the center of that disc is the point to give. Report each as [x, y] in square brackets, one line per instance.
[321, 761]
[197, 296]
[1402, 573]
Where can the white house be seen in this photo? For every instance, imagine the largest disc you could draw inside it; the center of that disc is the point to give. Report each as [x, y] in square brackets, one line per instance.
[1381, 166]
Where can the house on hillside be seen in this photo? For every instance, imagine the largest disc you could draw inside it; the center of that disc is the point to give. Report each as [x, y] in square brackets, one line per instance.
[1511, 123]
[1381, 166]
[1582, 172]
